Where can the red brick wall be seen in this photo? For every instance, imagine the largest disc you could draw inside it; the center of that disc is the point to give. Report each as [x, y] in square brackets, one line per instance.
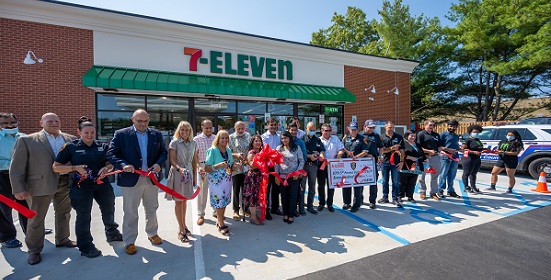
[55, 85]
[386, 106]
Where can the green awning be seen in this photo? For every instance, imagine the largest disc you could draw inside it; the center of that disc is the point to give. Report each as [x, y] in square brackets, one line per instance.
[139, 80]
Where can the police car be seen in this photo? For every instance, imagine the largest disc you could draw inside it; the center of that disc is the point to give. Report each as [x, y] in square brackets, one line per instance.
[536, 156]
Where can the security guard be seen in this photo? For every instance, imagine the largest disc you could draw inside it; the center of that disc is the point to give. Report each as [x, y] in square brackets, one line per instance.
[355, 146]
[88, 158]
[374, 143]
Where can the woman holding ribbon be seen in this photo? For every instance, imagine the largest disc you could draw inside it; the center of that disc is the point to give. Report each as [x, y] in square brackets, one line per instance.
[413, 163]
[253, 180]
[508, 151]
[218, 166]
[88, 159]
[472, 149]
[182, 154]
[293, 162]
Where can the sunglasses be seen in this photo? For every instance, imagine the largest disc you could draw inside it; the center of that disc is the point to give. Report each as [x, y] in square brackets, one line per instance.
[327, 130]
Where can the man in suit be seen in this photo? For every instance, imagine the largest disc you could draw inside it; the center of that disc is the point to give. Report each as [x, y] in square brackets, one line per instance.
[33, 179]
[138, 147]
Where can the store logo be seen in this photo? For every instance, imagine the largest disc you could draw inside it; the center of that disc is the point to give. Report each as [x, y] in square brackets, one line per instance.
[222, 63]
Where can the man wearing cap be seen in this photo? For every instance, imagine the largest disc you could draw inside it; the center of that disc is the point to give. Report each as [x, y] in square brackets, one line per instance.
[355, 146]
[374, 142]
[450, 141]
[393, 152]
[432, 145]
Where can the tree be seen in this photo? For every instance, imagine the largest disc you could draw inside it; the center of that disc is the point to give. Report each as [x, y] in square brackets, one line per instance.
[497, 53]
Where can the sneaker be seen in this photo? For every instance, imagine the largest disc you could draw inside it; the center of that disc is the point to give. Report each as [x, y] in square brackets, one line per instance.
[92, 253]
[423, 195]
[440, 194]
[115, 237]
[372, 205]
[12, 243]
[434, 196]
[383, 200]
[490, 188]
[453, 194]
[411, 200]
[346, 206]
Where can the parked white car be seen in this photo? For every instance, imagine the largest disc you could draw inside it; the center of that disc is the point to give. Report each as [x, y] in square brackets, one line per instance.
[536, 156]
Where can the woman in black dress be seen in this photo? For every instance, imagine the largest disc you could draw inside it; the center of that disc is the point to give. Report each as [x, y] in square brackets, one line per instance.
[508, 150]
[413, 162]
[470, 162]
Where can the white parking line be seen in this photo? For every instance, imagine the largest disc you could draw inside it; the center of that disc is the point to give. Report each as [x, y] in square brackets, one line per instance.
[197, 245]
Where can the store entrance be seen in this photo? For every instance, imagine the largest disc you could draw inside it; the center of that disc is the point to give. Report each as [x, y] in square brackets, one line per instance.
[219, 122]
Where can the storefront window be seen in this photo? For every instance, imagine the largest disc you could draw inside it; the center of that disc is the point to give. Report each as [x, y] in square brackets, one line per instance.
[167, 104]
[215, 106]
[255, 123]
[129, 103]
[109, 122]
[280, 108]
[308, 110]
[254, 108]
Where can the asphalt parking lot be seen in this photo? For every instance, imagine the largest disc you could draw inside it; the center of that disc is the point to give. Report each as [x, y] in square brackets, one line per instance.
[453, 237]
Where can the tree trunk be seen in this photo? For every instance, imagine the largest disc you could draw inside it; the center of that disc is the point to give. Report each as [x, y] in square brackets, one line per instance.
[497, 90]
[487, 102]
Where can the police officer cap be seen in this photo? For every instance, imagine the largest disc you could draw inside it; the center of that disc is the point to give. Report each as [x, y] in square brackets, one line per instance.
[353, 125]
[369, 123]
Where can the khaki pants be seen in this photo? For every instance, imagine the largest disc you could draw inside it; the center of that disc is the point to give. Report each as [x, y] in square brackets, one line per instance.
[203, 194]
[62, 213]
[144, 191]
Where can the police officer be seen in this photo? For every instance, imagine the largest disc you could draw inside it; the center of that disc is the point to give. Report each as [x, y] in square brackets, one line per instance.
[374, 143]
[88, 158]
[355, 146]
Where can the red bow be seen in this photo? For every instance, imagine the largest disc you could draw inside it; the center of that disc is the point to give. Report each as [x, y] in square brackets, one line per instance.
[264, 159]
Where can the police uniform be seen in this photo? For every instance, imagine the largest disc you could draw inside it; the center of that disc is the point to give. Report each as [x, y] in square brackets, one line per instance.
[313, 145]
[355, 145]
[83, 192]
[374, 143]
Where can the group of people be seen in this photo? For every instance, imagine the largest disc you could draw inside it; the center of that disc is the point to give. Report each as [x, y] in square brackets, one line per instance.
[50, 165]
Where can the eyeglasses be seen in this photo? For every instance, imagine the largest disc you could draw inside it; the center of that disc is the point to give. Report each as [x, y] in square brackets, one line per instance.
[142, 121]
[430, 124]
[327, 130]
[6, 123]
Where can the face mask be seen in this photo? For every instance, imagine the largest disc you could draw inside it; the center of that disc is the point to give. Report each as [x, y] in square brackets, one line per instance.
[311, 133]
[510, 138]
[474, 135]
[7, 131]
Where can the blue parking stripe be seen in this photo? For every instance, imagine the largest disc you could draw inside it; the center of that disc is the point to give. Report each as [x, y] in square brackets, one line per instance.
[371, 225]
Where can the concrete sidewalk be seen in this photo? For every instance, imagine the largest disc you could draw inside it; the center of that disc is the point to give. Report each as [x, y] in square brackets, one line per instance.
[275, 250]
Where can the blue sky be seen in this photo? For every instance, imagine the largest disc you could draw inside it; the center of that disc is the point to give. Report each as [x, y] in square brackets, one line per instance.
[292, 20]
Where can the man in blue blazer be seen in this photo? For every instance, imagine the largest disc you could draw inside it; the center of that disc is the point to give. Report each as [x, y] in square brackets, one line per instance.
[138, 147]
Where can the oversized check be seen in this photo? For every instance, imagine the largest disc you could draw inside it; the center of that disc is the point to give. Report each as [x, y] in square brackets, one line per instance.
[345, 172]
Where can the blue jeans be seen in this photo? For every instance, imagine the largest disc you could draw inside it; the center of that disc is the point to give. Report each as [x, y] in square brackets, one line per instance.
[81, 200]
[447, 174]
[393, 171]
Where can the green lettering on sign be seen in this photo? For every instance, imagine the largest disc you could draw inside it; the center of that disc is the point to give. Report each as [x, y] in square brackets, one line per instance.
[283, 65]
[331, 110]
[242, 65]
[227, 64]
[215, 62]
[270, 68]
[257, 66]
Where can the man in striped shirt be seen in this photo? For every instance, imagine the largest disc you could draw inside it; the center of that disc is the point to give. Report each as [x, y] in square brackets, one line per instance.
[204, 141]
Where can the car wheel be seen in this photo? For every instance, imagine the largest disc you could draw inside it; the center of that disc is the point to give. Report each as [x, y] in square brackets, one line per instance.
[540, 165]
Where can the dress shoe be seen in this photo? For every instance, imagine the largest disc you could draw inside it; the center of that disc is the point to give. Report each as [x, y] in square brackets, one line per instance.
[296, 214]
[372, 205]
[155, 240]
[354, 209]
[277, 212]
[268, 216]
[92, 253]
[68, 244]
[114, 237]
[331, 209]
[302, 212]
[346, 206]
[201, 220]
[130, 249]
[47, 230]
[34, 258]
[312, 210]
[12, 243]
[320, 208]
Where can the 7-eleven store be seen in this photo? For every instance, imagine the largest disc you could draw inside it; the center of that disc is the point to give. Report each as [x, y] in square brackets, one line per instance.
[106, 64]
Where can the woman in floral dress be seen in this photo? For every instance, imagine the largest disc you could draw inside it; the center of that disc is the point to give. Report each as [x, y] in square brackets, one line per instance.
[183, 164]
[218, 166]
[252, 180]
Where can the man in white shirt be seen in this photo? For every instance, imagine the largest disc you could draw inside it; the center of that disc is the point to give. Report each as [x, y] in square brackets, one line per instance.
[204, 142]
[333, 149]
[273, 139]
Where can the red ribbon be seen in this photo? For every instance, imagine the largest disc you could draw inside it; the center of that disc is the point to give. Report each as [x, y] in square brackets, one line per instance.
[393, 155]
[324, 163]
[18, 207]
[153, 178]
[263, 160]
[449, 155]
[290, 175]
[360, 173]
